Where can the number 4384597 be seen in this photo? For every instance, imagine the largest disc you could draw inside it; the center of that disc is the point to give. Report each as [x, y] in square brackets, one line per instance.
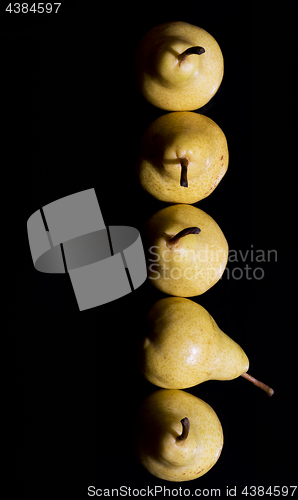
[38, 8]
[275, 491]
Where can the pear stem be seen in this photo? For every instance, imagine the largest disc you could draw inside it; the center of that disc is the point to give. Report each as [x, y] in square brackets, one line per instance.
[185, 431]
[188, 230]
[192, 50]
[259, 384]
[183, 178]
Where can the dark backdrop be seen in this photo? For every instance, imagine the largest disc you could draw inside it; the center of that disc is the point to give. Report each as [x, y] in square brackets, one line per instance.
[72, 120]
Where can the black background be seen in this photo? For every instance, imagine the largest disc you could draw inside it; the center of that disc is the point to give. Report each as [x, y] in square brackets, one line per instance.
[72, 119]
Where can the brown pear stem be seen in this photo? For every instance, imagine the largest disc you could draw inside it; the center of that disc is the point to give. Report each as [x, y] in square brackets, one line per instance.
[185, 431]
[192, 50]
[259, 384]
[183, 178]
[188, 230]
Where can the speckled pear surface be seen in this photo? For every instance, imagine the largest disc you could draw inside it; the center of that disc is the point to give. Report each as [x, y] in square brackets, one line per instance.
[178, 136]
[171, 83]
[192, 265]
[159, 425]
[185, 347]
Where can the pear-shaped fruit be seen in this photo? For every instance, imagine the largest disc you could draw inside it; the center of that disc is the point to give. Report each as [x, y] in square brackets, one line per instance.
[186, 250]
[183, 157]
[179, 437]
[179, 66]
[185, 347]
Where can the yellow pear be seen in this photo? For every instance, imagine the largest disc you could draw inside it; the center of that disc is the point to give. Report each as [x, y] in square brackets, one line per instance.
[179, 437]
[183, 157]
[186, 250]
[185, 347]
[179, 66]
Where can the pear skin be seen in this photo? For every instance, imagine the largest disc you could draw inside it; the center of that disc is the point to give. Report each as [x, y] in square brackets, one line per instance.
[180, 263]
[179, 66]
[182, 140]
[185, 347]
[167, 447]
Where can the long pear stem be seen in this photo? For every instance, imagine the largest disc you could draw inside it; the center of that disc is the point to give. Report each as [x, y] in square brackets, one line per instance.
[183, 178]
[188, 230]
[192, 50]
[256, 382]
[185, 431]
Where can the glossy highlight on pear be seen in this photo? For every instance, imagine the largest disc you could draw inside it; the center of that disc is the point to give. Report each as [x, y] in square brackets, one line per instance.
[185, 347]
[178, 436]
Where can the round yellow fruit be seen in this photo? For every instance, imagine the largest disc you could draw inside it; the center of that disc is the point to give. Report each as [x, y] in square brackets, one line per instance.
[183, 157]
[179, 66]
[186, 250]
[179, 437]
[185, 347]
